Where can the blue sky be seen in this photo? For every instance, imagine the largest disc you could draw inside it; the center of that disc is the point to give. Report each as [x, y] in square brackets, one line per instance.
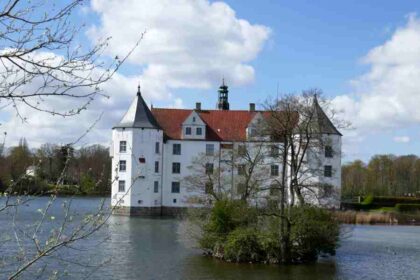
[362, 54]
[315, 43]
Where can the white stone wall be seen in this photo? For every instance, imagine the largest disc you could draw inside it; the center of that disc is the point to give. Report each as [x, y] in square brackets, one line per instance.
[190, 149]
[139, 177]
[316, 160]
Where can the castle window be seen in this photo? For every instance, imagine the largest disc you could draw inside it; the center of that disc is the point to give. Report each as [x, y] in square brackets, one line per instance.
[156, 187]
[328, 152]
[174, 200]
[175, 187]
[209, 149]
[199, 131]
[241, 169]
[123, 166]
[274, 170]
[156, 166]
[121, 186]
[241, 150]
[123, 146]
[142, 160]
[252, 132]
[176, 167]
[274, 151]
[188, 131]
[176, 149]
[193, 119]
[328, 171]
[209, 168]
[157, 147]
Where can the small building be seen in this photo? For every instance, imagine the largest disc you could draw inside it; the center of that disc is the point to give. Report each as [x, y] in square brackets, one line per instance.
[31, 171]
[152, 150]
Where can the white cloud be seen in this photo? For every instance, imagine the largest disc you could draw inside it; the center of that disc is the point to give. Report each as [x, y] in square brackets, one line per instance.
[41, 127]
[388, 95]
[188, 43]
[402, 139]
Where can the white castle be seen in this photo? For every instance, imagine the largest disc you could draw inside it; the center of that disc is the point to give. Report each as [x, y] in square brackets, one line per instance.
[153, 150]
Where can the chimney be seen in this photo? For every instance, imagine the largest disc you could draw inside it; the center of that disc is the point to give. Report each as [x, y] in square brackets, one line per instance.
[198, 106]
[251, 107]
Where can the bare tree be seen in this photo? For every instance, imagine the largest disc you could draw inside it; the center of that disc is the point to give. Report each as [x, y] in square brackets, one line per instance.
[206, 180]
[252, 169]
[239, 174]
[41, 59]
[300, 124]
[42, 62]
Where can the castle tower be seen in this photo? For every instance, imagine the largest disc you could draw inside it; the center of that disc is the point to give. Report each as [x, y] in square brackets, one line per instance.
[223, 103]
[137, 143]
[330, 155]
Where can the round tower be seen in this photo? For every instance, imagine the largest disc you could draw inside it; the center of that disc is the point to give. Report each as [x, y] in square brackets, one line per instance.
[137, 143]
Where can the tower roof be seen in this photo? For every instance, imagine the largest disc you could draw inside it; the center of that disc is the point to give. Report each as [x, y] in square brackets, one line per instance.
[223, 103]
[138, 115]
[324, 123]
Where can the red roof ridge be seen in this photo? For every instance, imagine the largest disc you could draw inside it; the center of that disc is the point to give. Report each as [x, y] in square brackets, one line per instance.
[208, 110]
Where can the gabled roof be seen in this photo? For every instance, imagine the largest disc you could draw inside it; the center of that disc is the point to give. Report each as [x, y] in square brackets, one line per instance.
[222, 125]
[138, 115]
[323, 122]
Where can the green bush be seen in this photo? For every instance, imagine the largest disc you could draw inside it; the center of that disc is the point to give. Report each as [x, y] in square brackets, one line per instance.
[235, 232]
[87, 184]
[391, 201]
[407, 207]
[225, 216]
[314, 231]
[242, 246]
[367, 200]
[270, 246]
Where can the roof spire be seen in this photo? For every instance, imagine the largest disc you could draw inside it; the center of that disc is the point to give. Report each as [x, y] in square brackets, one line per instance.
[323, 122]
[138, 115]
[138, 90]
[223, 103]
[316, 98]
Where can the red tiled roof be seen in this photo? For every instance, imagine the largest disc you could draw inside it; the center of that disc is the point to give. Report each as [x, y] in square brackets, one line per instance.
[229, 125]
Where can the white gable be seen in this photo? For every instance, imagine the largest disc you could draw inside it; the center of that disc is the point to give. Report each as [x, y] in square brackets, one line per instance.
[193, 127]
[193, 119]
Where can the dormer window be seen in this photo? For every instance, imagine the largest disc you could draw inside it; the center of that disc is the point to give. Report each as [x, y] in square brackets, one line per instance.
[193, 127]
[252, 132]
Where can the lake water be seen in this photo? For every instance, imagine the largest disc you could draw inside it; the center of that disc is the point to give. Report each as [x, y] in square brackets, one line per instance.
[142, 248]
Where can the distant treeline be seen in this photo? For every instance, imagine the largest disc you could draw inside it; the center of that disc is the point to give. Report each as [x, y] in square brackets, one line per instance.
[77, 171]
[384, 175]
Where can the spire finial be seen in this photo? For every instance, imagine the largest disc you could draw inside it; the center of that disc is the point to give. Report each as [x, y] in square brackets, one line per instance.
[316, 98]
[138, 90]
[223, 80]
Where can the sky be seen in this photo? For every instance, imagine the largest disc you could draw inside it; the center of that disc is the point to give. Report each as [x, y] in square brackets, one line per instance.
[363, 55]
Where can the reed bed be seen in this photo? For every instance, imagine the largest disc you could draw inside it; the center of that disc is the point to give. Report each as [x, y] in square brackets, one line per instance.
[363, 218]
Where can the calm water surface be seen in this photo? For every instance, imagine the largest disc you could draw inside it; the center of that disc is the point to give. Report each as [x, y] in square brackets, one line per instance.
[141, 248]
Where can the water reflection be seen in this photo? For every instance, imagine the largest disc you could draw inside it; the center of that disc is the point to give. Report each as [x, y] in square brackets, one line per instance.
[141, 248]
